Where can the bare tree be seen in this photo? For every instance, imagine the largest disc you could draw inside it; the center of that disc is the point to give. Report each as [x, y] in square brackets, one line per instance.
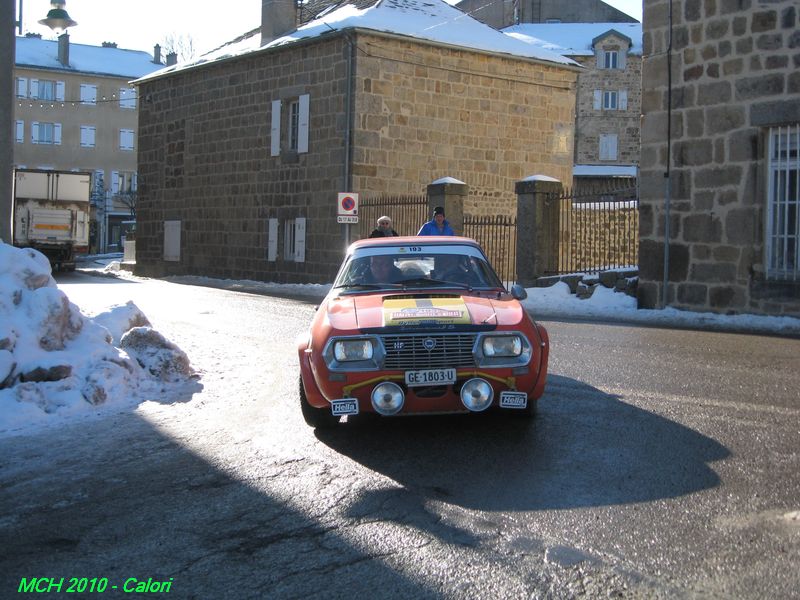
[181, 44]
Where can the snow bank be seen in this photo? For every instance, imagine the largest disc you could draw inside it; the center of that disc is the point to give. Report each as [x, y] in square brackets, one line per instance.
[55, 361]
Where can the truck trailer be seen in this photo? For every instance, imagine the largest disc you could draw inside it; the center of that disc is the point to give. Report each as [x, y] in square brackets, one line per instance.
[51, 214]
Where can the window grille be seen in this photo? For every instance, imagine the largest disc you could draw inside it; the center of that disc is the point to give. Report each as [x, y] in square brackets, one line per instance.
[294, 122]
[783, 211]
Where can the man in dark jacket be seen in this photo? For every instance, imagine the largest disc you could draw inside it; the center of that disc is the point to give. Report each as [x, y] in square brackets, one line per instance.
[384, 228]
[438, 225]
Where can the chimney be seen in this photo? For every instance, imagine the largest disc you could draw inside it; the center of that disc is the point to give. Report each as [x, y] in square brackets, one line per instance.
[157, 54]
[63, 49]
[172, 59]
[278, 17]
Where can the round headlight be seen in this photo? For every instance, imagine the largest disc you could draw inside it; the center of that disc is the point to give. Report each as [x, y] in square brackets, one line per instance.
[347, 350]
[387, 398]
[505, 345]
[477, 394]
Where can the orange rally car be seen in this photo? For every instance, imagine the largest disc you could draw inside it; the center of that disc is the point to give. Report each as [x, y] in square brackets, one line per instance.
[417, 325]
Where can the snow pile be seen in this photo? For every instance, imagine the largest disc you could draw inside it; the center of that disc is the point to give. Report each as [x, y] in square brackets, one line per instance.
[56, 361]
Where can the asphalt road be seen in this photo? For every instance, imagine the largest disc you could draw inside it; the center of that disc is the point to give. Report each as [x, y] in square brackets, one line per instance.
[663, 464]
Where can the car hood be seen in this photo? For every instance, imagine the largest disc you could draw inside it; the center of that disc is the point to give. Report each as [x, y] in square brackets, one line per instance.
[423, 310]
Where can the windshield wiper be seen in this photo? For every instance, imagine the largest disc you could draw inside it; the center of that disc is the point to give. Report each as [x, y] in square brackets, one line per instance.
[371, 286]
[426, 281]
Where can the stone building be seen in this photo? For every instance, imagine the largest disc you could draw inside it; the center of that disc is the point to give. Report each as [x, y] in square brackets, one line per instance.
[608, 104]
[725, 128]
[243, 152]
[76, 111]
[504, 13]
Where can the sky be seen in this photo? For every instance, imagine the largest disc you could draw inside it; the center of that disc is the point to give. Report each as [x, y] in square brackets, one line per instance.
[120, 374]
[141, 24]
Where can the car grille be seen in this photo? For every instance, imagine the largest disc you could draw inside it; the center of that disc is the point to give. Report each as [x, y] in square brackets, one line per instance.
[411, 351]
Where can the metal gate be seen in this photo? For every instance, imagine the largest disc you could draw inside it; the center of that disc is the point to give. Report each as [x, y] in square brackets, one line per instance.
[497, 236]
[407, 213]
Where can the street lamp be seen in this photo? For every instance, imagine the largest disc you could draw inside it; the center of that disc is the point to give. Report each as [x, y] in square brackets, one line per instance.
[56, 19]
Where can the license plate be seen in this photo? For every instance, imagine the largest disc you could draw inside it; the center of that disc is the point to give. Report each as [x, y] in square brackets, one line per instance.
[345, 406]
[430, 377]
[513, 400]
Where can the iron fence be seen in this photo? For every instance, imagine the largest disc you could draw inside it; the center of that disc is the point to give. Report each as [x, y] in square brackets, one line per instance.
[497, 235]
[407, 213]
[597, 230]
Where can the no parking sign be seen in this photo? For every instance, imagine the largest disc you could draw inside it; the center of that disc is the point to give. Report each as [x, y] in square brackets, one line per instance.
[347, 207]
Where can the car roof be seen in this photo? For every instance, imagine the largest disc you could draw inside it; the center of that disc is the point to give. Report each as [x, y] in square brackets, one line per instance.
[416, 240]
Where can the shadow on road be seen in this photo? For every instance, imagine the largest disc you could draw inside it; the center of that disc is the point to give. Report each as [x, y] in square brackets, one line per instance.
[585, 448]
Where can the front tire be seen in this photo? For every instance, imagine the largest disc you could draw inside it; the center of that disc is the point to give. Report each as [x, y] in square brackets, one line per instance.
[318, 418]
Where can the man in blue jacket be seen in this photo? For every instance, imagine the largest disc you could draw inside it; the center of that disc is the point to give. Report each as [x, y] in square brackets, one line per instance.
[438, 225]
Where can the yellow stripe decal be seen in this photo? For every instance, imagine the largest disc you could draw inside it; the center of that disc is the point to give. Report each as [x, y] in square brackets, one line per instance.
[427, 311]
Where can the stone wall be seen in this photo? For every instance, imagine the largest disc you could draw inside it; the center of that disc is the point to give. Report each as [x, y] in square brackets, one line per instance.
[426, 112]
[734, 74]
[591, 122]
[204, 159]
[420, 112]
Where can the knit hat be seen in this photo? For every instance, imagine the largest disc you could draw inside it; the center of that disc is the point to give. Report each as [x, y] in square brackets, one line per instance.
[439, 210]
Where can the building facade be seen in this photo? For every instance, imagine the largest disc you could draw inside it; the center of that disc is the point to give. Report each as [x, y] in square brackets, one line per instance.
[241, 159]
[75, 110]
[608, 102]
[720, 162]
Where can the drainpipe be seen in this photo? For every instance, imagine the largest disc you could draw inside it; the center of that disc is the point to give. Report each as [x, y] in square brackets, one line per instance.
[668, 174]
[348, 124]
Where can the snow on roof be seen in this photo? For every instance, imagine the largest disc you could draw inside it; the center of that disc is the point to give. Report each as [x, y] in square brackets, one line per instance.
[604, 171]
[432, 20]
[115, 62]
[573, 39]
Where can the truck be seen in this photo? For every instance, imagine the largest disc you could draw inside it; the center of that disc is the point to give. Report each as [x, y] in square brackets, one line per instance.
[51, 214]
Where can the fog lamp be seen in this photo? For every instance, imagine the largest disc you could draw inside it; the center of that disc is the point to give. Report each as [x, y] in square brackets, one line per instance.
[388, 398]
[477, 394]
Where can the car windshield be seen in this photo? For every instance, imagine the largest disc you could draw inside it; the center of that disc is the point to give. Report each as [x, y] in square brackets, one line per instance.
[418, 269]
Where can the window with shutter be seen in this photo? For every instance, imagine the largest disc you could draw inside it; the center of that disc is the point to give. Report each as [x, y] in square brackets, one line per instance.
[87, 136]
[127, 98]
[275, 129]
[22, 87]
[20, 132]
[272, 240]
[88, 94]
[126, 139]
[608, 146]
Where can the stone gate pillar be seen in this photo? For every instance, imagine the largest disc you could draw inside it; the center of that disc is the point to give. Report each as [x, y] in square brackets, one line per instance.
[538, 225]
[451, 194]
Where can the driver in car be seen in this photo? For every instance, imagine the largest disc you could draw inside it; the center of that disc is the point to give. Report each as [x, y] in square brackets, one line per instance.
[382, 270]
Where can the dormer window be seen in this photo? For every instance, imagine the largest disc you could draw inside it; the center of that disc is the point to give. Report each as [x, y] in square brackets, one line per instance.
[611, 59]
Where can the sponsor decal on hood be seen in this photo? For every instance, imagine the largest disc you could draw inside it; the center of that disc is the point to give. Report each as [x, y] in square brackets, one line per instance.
[424, 311]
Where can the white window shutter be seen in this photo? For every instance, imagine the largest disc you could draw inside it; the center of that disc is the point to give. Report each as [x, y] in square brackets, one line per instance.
[300, 239]
[172, 241]
[623, 99]
[115, 182]
[134, 181]
[302, 126]
[22, 87]
[275, 130]
[600, 55]
[613, 147]
[34, 88]
[598, 99]
[622, 56]
[20, 132]
[272, 240]
[60, 91]
[35, 132]
[57, 134]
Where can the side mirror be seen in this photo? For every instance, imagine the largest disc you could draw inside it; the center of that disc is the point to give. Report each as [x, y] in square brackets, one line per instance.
[518, 292]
